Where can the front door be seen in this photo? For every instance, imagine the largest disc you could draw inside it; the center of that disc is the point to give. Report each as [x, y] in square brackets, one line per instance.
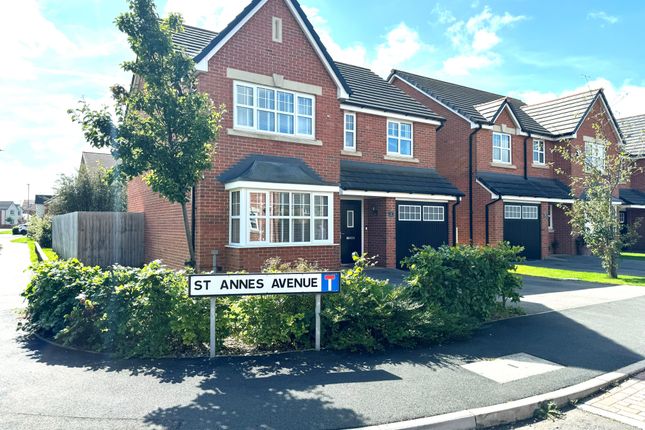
[350, 229]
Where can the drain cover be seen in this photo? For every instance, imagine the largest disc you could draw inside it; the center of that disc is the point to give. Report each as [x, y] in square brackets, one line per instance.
[511, 367]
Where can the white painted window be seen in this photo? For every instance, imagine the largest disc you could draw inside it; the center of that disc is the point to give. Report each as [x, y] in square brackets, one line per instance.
[350, 132]
[399, 138]
[276, 29]
[529, 212]
[274, 218]
[539, 155]
[409, 213]
[350, 219]
[271, 110]
[550, 216]
[622, 217]
[433, 213]
[595, 155]
[512, 212]
[502, 148]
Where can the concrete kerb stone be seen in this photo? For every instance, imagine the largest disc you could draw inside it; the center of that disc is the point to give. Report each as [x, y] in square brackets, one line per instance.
[517, 410]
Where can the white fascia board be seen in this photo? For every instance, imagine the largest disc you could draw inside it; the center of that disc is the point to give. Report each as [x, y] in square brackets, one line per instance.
[536, 136]
[508, 107]
[277, 186]
[392, 115]
[633, 206]
[519, 199]
[398, 196]
[492, 194]
[472, 124]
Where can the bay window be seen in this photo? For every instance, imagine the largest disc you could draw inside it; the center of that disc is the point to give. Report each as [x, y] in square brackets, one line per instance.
[271, 110]
[275, 218]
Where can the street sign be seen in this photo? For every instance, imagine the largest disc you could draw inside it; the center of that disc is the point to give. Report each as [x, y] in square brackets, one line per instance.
[211, 285]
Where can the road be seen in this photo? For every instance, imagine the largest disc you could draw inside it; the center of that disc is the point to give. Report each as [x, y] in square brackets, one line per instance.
[42, 386]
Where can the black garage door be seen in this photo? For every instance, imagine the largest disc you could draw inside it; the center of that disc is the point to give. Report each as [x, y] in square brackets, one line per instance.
[522, 227]
[419, 224]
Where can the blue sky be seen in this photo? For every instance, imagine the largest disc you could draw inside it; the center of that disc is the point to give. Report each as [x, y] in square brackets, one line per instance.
[59, 51]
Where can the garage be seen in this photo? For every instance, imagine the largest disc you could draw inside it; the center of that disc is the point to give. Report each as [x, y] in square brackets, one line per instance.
[419, 224]
[522, 228]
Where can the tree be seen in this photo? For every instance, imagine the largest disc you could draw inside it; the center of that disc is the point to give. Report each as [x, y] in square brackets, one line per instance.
[593, 216]
[164, 128]
[98, 191]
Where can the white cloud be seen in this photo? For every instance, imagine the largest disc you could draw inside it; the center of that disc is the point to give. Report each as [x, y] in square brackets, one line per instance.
[462, 65]
[444, 16]
[603, 16]
[484, 40]
[210, 14]
[401, 44]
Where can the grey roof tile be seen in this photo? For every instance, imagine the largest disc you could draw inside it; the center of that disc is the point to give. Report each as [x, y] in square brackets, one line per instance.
[562, 115]
[361, 176]
[5, 205]
[515, 185]
[632, 196]
[633, 129]
[193, 39]
[41, 199]
[266, 168]
[94, 160]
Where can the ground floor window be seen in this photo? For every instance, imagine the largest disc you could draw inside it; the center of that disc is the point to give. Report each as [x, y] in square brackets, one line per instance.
[261, 217]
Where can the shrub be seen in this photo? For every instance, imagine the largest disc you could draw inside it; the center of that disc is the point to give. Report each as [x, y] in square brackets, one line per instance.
[40, 230]
[464, 281]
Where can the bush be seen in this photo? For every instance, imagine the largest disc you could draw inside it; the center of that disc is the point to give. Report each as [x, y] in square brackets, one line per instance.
[464, 281]
[40, 230]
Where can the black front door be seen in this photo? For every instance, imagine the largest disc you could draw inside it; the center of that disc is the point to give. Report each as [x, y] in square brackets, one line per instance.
[522, 227]
[350, 229]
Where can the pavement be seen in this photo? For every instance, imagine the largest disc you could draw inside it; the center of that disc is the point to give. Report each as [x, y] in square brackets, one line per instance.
[43, 386]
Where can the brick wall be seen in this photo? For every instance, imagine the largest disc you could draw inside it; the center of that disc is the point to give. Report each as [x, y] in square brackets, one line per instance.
[630, 217]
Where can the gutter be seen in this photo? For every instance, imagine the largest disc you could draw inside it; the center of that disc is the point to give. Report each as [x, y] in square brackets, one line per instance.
[470, 181]
[487, 207]
[454, 221]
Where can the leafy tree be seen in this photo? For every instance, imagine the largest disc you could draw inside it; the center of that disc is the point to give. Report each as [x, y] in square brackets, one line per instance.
[164, 128]
[593, 216]
[96, 191]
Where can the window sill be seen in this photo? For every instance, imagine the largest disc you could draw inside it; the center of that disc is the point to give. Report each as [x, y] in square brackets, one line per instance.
[279, 245]
[271, 136]
[551, 230]
[540, 166]
[400, 158]
[503, 165]
[351, 153]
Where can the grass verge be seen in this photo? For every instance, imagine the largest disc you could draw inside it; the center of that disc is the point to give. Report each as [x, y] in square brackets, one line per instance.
[5, 231]
[33, 257]
[601, 278]
[633, 255]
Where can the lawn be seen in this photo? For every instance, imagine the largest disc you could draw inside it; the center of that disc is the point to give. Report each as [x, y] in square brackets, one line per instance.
[32, 249]
[633, 255]
[5, 231]
[601, 278]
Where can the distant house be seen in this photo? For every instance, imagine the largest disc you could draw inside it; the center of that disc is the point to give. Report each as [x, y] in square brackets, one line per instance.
[10, 213]
[41, 201]
[93, 161]
[28, 207]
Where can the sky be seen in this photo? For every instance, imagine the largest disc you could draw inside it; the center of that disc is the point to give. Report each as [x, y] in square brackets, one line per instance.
[58, 52]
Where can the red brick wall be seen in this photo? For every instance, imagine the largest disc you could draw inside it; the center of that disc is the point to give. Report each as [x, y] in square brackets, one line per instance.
[561, 232]
[381, 227]
[630, 216]
[638, 178]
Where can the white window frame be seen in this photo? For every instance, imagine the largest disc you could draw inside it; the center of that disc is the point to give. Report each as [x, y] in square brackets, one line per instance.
[429, 213]
[621, 217]
[550, 217]
[398, 138]
[255, 128]
[346, 130]
[245, 221]
[509, 211]
[539, 152]
[350, 218]
[595, 155]
[534, 212]
[232, 217]
[501, 149]
[413, 211]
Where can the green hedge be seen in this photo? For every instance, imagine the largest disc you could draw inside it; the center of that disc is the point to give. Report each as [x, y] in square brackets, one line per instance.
[147, 312]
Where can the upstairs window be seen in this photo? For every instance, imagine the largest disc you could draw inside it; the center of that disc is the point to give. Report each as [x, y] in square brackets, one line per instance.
[273, 111]
[399, 138]
[538, 152]
[501, 148]
[350, 132]
[595, 155]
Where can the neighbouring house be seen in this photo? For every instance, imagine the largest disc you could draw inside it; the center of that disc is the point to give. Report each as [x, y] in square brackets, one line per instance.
[498, 150]
[10, 213]
[316, 159]
[633, 195]
[95, 161]
[41, 204]
[29, 207]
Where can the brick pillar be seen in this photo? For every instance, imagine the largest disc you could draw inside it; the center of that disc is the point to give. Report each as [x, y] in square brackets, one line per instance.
[390, 232]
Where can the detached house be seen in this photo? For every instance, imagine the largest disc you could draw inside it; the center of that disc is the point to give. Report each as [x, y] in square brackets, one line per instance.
[316, 159]
[10, 213]
[498, 150]
[633, 195]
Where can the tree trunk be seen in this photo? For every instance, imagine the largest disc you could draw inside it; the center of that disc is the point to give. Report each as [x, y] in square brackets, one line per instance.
[187, 229]
[613, 267]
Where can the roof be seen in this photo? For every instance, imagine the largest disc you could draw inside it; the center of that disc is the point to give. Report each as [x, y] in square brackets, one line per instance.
[563, 115]
[371, 91]
[480, 107]
[632, 196]
[5, 205]
[515, 185]
[633, 129]
[41, 199]
[361, 176]
[266, 168]
[94, 160]
[193, 39]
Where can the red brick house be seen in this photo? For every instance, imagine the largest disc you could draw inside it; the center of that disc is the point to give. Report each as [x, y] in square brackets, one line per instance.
[633, 195]
[315, 159]
[498, 150]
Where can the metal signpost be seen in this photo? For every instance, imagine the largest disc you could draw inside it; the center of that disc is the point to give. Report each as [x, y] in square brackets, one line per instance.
[213, 285]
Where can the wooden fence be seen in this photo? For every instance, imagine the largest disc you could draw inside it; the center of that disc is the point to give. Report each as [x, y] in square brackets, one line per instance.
[99, 238]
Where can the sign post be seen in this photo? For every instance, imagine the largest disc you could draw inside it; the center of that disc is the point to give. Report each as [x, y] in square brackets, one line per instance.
[215, 284]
